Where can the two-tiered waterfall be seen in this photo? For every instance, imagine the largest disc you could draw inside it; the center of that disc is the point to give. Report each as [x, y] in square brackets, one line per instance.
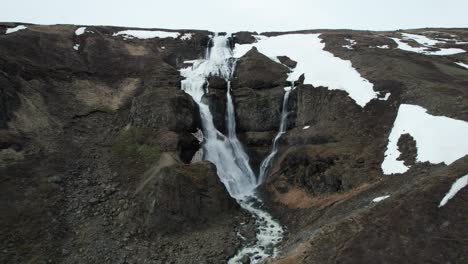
[227, 153]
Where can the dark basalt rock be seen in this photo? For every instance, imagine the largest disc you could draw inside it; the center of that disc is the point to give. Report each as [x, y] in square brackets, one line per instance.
[257, 71]
[165, 108]
[181, 196]
[258, 110]
[287, 61]
[407, 147]
[245, 37]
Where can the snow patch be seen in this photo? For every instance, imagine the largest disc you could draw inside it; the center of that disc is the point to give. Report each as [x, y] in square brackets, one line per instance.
[423, 40]
[350, 44]
[76, 46]
[146, 34]
[456, 187]
[438, 138]
[186, 36]
[385, 98]
[381, 198]
[383, 47]
[15, 29]
[306, 127]
[80, 31]
[427, 45]
[320, 67]
[462, 64]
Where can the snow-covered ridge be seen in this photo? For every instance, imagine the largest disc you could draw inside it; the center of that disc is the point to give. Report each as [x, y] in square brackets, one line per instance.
[149, 34]
[438, 138]
[15, 29]
[427, 45]
[320, 67]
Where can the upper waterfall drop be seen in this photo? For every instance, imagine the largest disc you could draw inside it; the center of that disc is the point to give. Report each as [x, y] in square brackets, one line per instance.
[225, 152]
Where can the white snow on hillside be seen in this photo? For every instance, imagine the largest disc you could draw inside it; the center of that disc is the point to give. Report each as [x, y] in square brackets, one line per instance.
[350, 45]
[438, 138]
[186, 36]
[462, 64]
[456, 187]
[76, 47]
[80, 31]
[423, 40]
[15, 29]
[320, 67]
[146, 34]
[426, 43]
[381, 198]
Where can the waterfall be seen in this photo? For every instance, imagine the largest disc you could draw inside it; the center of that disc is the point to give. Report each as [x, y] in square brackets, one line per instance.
[266, 163]
[227, 153]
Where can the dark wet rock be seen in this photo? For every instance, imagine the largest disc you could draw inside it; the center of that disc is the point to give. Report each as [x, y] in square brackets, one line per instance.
[245, 259]
[216, 99]
[215, 82]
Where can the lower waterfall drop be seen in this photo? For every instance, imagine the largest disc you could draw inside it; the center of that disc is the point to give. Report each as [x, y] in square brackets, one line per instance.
[266, 163]
[227, 153]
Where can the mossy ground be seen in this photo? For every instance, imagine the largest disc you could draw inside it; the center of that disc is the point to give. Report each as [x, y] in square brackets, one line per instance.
[136, 145]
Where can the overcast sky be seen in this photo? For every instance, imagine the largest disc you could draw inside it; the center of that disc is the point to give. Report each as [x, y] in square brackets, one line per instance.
[235, 15]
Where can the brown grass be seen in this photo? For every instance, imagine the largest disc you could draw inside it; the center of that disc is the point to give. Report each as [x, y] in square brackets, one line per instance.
[297, 198]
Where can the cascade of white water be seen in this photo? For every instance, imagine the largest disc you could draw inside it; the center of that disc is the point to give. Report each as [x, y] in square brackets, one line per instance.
[266, 163]
[227, 153]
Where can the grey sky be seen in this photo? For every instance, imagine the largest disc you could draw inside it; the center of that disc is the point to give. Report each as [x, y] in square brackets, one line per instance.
[235, 15]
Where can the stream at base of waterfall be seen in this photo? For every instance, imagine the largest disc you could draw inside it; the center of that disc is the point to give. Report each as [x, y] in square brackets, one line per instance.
[227, 153]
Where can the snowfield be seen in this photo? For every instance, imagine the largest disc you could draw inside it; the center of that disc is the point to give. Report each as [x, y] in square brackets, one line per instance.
[320, 67]
[438, 138]
[146, 34]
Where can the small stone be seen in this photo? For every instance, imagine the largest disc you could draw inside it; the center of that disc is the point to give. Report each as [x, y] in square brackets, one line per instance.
[245, 259]
[54, 179]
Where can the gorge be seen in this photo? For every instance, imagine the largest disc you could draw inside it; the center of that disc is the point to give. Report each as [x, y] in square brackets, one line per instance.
[128, 145]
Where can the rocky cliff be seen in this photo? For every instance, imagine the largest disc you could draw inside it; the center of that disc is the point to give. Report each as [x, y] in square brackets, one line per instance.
[98, 148]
